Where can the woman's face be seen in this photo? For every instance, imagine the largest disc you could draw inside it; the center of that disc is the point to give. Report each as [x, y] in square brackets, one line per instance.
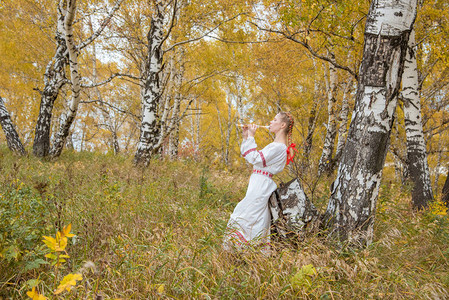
[277, 124]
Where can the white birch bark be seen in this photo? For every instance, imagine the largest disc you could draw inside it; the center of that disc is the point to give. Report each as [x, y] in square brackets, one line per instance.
[351, 209]
[343, 123]
[12, 138]
[174, 134]
[149, 130]
[75, 79]
[418, 169]
[331, 133]
[313, 117]
[54, 80]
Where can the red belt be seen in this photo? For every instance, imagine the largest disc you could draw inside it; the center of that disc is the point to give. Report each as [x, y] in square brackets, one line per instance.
[265, 173]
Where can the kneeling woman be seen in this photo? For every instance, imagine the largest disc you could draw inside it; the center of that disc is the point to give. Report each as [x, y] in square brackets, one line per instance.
[249, 224]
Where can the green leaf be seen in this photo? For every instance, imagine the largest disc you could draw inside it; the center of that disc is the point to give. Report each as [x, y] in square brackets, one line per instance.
[35, 264]
[303, 278]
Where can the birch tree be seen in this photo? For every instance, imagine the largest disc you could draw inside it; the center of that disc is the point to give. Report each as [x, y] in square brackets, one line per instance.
[417, 167]
[149, 129]
[63, 132]
[54, 80]
[351, 209]
[12, 138]
[178, 80]
[331, 132]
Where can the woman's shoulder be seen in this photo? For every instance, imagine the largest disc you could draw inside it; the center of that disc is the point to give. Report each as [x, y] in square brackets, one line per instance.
[277, 145]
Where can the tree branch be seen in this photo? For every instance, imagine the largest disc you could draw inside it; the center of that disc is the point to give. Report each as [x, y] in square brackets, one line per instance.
[202, 36]
[307, 46]
[88, 86]
[172, 23]
[113, 107]
[102, 26]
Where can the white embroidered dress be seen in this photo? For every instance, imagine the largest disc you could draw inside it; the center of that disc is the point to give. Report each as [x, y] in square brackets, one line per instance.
[250, 221]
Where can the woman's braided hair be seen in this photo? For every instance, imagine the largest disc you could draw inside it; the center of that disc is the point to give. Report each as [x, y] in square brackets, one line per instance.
[287, 118]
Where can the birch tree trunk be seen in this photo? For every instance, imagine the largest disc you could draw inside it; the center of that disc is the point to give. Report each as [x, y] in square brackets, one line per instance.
[174, 134]
[108, 122]
[418, 169]
[313, 116]
[351, 209]
[12, 138]
[438, 164]
[149, 130]
[63, 132]
[331, 133]
[54, 80]
[445, 192]
[343, 124]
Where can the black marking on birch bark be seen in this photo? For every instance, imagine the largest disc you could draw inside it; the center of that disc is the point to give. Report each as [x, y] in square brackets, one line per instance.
[293, 215]
[54, 79]
[12, 137]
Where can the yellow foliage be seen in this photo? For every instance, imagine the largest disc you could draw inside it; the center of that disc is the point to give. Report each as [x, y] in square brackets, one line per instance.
[438, 208]
[33, 294]
[68, 282]
[303, 278]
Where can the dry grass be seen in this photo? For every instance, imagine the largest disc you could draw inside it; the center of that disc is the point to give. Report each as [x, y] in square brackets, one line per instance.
[156, 233]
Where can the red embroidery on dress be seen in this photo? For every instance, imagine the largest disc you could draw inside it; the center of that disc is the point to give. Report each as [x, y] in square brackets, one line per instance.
[263, 159]
[266, 173]
[240, 236]
[249, 151]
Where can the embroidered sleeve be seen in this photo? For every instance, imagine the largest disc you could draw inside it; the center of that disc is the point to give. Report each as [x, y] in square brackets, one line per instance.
[261, 158]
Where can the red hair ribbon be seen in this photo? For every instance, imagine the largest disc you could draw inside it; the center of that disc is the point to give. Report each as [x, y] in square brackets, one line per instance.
[291, 151]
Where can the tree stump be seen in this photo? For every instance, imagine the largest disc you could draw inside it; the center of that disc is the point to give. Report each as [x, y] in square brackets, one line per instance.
[293, 215]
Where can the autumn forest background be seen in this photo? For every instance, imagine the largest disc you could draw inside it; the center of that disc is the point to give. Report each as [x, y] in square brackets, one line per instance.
[148, 211]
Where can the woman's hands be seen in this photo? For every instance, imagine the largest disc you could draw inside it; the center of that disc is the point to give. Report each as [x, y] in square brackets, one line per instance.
[249, 130]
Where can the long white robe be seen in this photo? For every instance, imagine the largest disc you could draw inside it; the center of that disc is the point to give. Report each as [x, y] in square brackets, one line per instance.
[249, 224]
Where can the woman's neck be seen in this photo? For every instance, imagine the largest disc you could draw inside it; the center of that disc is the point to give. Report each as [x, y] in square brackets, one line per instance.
[280, 138]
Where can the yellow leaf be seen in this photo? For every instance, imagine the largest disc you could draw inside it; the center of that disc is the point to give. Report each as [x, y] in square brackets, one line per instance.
[68, 282]
[62, 244]
[33, 294]
[66, 231]
[160, 289]
[50, 256]
[50, 242]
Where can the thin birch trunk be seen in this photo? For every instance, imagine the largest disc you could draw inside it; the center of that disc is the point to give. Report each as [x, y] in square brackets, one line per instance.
[331, 133]
[228, 131]
[351, 209]
[445, 192]
[149, 130]
[113, 141]
[75, 79]
[438, 164]
[198, 128]
[174, 134]
[12, 138]
[418, 169]
[343, 124]
[313, 117]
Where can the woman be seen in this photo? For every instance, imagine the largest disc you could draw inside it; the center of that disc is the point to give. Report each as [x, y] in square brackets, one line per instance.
[249, 224]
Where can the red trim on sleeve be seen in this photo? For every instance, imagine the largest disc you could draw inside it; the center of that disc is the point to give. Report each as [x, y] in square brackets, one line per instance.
[263, 159]
[249, 151]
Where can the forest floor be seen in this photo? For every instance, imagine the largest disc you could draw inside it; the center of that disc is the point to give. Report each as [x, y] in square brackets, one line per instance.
[156, 233]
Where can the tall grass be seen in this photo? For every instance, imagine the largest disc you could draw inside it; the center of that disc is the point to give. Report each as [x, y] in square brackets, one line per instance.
[156, 233]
